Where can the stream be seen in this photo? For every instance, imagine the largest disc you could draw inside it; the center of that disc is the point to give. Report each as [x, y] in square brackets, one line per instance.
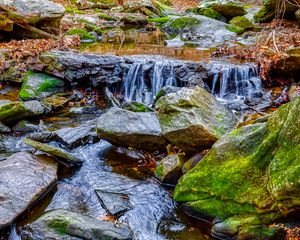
[154, 215]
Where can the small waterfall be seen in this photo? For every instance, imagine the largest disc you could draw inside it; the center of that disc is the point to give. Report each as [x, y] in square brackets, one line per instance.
[232, 82]
[141, 85]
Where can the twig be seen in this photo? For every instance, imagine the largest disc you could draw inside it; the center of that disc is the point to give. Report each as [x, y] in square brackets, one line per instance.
[274, 41]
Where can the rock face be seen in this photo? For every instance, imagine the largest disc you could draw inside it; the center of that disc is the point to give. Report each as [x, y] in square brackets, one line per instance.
[131, 129]
[169, 170]
[24, 179]
[249, 178]
[78, 68]
[12, 111]
[192, 119]
[64, 224]
[39, 85]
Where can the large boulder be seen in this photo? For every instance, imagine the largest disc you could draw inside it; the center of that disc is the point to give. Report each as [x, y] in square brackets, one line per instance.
[63, 224]
[131, 129]
[204, 30]
[39, 85]
[250, 178]
[229, 9]
[193, 119]
[24, 179]
[43, 13]
[12, 111]
[290, 64]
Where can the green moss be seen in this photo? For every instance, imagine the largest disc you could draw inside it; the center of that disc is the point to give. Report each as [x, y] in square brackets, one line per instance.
[236, 29]
[82, 33]
[74, 10]
[60, 226]
[37, 84]
[264, 15]
[207, 12]
[161, 20]
[184, 22]
[6, 24]
[242, 22]
[229, 9]
[93, 28]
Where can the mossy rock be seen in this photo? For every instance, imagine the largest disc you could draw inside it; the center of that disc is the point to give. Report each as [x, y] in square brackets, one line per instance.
[6, 24]
[242, 22]
[235, 29]
[297, 15]
[39, 85]
[208, 12]
[179, 25]
[251, 173]
[82, 33]
[12, 111]
[264, 15]
[93, 28]
[137, 107]
[228, 9]
[169, 170]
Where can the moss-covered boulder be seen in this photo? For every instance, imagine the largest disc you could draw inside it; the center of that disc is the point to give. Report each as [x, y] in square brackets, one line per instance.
[6, 24]
[180, 24]
[12, 111]
[208, 12]
[264, 15]
[228, 9]
[63, 224]
[39, 85]
[250, 177]
[169, 170]
[242, 22]
[192, 119]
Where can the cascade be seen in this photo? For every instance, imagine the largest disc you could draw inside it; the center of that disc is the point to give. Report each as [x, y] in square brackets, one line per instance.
[142, 86]
[231, 81]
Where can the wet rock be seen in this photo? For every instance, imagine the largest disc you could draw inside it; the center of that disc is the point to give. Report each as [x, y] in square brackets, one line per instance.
[169, 169]
[64, 224]
[111, 99]
[39, 85]
[43, 137]
[294, 91]
[56, 102]
[62, 155]
[179, 25]
[4, 128]
[192, 162]
[166, 90]
[255, 170]
[24, 179]
[78, 136]
[131, 129]
[25, 126]
[134, 19]
[12, 111]
[242, 22]
[208, 12]
[115, 204]
[192, 119]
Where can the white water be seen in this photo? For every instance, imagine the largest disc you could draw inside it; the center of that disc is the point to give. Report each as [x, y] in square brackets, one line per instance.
[137, 87]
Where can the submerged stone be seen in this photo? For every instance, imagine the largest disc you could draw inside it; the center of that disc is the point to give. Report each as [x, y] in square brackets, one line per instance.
[63, 224]
[115, 204]
[39, 85]
[25, 126]
[131, 129]
[193, 119]
[60, 153]
[24, 179]
[250, 177]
